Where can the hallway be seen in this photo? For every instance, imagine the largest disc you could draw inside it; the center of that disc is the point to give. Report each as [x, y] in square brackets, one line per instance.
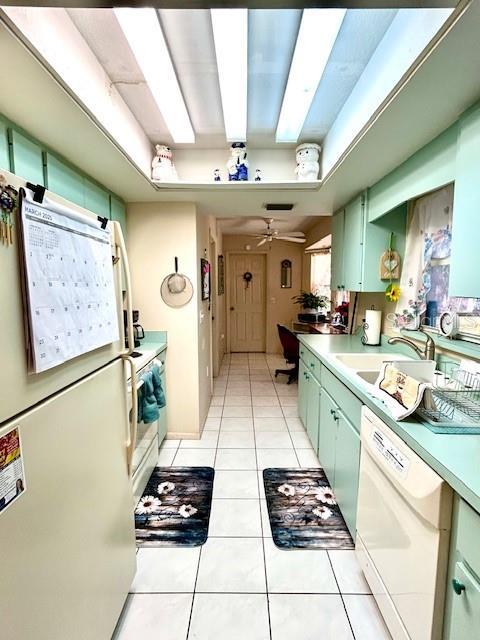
[239, 585]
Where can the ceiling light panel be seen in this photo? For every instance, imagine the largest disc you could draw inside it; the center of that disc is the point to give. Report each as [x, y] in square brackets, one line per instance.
[144, 35]
[318, 31]
[230, 34]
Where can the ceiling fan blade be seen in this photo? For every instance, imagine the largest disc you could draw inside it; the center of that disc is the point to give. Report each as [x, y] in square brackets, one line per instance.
[295, 234]
[290, 239]
[259, 244]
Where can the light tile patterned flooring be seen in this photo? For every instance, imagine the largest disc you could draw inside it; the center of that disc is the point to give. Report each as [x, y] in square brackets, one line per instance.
[239, 585]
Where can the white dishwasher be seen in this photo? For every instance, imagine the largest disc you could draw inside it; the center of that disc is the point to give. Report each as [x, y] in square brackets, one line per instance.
[403, 531]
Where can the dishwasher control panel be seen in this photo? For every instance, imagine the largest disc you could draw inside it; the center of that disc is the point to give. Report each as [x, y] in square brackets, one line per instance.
[398, 461]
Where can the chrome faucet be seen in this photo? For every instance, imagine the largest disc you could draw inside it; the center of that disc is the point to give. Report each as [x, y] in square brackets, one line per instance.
[427, 353]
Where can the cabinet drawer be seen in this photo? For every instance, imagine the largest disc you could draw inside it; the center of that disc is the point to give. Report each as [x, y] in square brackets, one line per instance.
[351, 406]
[468, 536]
[312, 363]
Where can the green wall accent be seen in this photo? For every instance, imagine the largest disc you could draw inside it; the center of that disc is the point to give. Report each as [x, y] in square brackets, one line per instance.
[4, 153]
[64, 180]
[26, 157]
[431, 167]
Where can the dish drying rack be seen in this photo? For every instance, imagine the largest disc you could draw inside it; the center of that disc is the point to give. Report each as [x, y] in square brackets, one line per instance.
[452, 403]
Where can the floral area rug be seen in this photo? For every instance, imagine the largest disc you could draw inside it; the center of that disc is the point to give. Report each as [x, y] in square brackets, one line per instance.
[303, 510]
[174, 510]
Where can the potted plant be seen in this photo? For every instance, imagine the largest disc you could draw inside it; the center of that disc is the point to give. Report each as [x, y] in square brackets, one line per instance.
[311, 302]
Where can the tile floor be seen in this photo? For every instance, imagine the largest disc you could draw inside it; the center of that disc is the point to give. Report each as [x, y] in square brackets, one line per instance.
[239, 585]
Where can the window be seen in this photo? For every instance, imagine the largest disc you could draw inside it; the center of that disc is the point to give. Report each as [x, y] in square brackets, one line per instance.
[320, 272]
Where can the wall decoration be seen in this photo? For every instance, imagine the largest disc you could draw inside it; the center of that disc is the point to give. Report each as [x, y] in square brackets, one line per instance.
[163, 169]
[237, 164]
[176, 289]
[205, 275]
[8, 204]
[221, 275]
[258, 175]
[248, 277]
[216, 175]
[307, 161]
[390, 263]
[286, 274]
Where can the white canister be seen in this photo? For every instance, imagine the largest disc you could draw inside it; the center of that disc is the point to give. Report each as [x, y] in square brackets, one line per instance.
[372, 327]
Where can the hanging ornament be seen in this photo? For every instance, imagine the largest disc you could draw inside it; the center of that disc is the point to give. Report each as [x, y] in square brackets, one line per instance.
[248, 277]
[390, 263]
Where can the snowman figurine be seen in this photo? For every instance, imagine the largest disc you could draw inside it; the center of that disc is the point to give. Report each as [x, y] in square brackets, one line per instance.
[237, 164]
[163, 169]
[307, 162]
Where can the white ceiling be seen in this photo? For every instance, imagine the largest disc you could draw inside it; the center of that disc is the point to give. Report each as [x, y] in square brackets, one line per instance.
[271, 41]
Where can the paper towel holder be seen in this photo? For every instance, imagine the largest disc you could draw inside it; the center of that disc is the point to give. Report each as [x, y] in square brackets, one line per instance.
[365, 339]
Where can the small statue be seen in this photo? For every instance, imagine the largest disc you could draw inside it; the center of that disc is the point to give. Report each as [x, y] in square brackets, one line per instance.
[216, 175]
[307, 161]
[258, 175]
[163, 169]
[237, 164]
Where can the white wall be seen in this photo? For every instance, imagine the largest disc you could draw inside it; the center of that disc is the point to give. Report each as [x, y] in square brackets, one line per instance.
[157, 232]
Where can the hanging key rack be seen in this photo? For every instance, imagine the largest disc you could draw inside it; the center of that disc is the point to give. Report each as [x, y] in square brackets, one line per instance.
[8, 207]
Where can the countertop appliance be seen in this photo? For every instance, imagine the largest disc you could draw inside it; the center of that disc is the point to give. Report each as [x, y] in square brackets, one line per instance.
[146, 437]
[138, 332]
[67, 543]
[403, 529]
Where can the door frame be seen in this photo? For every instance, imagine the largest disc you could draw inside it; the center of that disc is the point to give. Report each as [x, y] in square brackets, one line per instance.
[227, 292]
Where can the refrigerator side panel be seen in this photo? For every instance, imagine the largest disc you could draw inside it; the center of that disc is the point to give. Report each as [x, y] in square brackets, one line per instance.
[19, 389]
[67, 543]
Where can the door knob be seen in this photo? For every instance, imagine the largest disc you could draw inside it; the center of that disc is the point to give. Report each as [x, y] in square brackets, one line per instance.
[232, 308]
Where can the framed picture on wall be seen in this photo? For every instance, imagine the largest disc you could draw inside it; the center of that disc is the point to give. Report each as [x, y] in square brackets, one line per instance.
[221, 275]
[205, 273]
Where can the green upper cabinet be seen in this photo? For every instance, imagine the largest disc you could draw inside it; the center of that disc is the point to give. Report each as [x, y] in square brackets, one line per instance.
[97, 199]
[353, 244]
[26, 158]
[464, 280]
[357, 245]
[118, 213]
[64, 181]
[4, 153]
[337, 249]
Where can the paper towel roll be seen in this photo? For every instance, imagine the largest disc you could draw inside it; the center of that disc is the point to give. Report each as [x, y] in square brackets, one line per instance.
[372, 327]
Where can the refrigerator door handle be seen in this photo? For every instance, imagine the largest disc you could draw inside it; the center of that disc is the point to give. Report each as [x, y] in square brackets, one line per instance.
[133, 422]
[128, 285]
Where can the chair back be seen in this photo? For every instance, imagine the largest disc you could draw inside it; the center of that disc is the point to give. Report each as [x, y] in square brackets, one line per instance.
[289, 342]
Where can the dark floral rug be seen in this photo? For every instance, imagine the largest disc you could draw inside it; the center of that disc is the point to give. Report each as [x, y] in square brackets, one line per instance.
[174, 510]
[303, 510]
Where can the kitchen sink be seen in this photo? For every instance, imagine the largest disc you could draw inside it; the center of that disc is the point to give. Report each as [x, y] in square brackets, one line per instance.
[368, 376]
[367, 361]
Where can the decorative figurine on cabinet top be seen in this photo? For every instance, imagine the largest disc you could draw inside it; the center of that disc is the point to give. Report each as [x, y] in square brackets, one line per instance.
[216, 175]
[308, 166]
[258, 175]
[237, 164]
[163, 169]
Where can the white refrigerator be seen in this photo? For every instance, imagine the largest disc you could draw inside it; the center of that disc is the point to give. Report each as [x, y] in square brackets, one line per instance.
[67, 544]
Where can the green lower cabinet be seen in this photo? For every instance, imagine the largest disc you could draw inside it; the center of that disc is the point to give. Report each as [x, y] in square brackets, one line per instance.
[347, 465]
[313, 411]
[302, 392]
[327, 434]
[462, 602]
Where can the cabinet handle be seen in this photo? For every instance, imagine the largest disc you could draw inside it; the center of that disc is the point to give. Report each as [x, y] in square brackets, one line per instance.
[301, 352]
[458, 586]
[307, 376]
[312, 364]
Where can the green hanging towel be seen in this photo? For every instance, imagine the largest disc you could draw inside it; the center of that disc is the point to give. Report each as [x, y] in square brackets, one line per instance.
[158, 387]
[149, 405]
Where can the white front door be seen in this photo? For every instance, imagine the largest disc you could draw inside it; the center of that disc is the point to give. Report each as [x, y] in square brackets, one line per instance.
[247, 301]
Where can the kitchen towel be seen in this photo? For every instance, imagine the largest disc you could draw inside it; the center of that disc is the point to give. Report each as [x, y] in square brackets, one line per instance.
[148, 407]
[400, 392]
[158, 387]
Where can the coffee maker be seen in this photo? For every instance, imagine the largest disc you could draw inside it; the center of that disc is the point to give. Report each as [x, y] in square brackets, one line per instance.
[138, 332]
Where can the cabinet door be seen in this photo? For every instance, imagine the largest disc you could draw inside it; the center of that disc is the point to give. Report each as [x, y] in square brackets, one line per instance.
[303, 385]
[313, 411]
[97, 199]
[4, 152]
[118, 213]
[353, 244]
[327, 435]
[465, 605]
[347, 465]
[337, 250]
[464, 279]
[27, 158]
[64, 180]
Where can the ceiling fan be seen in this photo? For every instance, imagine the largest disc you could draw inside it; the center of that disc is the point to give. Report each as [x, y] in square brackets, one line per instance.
[271, 234]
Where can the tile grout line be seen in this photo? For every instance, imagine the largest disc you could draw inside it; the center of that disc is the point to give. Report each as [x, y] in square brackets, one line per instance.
[340, 594]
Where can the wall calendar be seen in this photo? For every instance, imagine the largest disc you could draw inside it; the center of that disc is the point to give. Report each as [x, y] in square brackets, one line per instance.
[68, 282]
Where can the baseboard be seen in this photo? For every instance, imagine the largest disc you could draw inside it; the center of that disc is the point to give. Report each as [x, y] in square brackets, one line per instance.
[182, 435]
